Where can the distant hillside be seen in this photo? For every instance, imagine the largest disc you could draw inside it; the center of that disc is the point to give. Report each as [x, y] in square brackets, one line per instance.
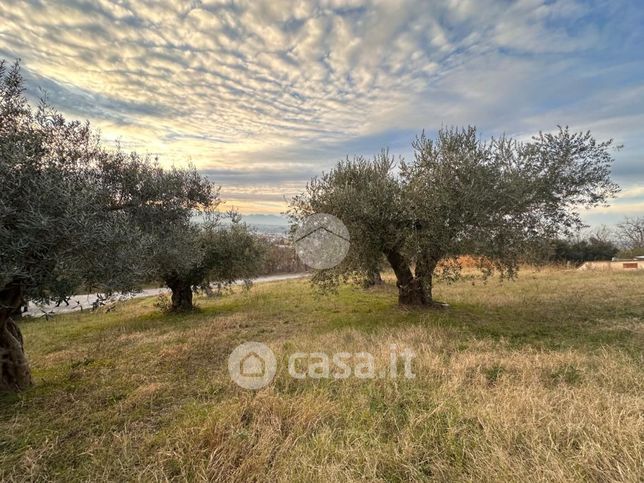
[274, 220]
[267, 224]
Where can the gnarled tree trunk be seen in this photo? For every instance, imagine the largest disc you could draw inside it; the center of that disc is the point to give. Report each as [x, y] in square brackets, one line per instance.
[14, 368]
[181, 294]
[413, 293]
[411, 289]
[425, 272]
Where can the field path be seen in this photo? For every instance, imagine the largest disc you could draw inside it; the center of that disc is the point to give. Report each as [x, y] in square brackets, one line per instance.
[88, 301]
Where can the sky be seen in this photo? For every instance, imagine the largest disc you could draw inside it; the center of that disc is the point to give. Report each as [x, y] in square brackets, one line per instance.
[263, 95]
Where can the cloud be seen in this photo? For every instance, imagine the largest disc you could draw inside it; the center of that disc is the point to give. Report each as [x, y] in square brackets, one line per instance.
[263, 95]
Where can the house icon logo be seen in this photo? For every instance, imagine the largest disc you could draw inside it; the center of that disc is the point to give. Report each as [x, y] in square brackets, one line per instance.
[252, 365]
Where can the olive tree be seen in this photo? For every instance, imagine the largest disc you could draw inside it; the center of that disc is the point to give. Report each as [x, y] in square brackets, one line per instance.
[74, 214]
[458, 195]
[49, 225]
[195, 255]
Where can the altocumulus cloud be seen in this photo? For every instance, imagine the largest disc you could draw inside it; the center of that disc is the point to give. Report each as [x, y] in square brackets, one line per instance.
[260, 95]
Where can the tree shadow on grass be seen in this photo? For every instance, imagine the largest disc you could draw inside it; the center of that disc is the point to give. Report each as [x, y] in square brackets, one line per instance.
[582, 323]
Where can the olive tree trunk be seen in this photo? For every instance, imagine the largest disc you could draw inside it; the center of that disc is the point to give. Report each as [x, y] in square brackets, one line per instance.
[14, 368]
[411, 289]
[181, 295]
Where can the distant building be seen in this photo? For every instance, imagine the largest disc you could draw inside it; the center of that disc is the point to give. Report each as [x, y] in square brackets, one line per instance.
[636, 263]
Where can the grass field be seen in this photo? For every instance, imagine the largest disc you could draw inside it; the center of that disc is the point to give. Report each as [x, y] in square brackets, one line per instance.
[538, 379]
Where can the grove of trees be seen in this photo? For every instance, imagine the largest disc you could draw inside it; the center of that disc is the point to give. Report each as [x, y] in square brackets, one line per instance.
[579, 251]
[459, 195]
[280, 256]
[625, 240]
[75, 214]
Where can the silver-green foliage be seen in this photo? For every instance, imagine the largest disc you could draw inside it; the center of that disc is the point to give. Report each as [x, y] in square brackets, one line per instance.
[458, 195]
[73, 212]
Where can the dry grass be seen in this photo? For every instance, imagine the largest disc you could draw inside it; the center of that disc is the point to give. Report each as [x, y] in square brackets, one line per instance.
[534, 380]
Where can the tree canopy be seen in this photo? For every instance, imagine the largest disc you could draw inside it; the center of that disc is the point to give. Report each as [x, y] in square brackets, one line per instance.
[459, 195]
[77, 215]
[196, 255]
[74, 212]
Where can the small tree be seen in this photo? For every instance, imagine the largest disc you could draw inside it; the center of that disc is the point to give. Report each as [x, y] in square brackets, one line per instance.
[631, 236]
[458, 196]
[193, 256]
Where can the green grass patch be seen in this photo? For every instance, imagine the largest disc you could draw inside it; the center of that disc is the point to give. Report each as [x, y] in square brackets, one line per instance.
[540, 378]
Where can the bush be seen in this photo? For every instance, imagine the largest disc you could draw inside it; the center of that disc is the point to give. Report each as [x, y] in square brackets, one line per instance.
[582, 251]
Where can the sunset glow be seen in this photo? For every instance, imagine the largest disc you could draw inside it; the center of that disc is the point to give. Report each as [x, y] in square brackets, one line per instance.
[261, 96]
